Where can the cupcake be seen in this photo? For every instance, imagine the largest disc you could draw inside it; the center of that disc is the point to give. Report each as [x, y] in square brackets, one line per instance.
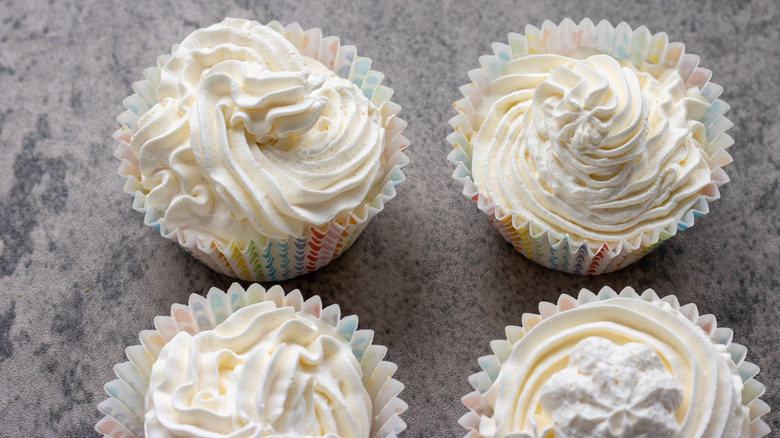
[262, 150]
[616, 365]
[254, 363]
[587, 146]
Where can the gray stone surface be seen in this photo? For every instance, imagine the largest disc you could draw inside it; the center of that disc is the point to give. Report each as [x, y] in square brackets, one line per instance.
[80, 275]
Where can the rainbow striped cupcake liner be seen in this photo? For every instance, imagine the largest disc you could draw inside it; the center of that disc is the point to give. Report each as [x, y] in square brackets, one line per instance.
[537, 242]
[124, 409]
[278, 259]
[491, 365]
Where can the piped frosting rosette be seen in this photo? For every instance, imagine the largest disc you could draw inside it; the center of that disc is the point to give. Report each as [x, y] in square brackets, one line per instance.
[589, 145]
[253, 363]
[262, 150]
[616, 365]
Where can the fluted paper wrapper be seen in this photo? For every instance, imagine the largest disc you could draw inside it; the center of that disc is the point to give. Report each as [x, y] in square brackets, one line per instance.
[491, 365]
[640, 47]
[279, 259]
[124, 410]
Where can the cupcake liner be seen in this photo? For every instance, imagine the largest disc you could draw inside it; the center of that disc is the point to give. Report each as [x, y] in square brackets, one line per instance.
[491, 364]
[279, 259]
[537, 242]
[124, 409]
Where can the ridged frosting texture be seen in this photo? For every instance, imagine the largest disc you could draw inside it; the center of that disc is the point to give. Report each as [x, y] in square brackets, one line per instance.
[250, 139]
[589, 146]
[615, 366]
[251, 363]
[265, 371]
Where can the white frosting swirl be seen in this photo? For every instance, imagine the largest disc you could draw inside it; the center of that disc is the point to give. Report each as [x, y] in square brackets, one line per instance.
[252, 140]
[610, 391]
[590, 146]
[265, 371]
[711, 385]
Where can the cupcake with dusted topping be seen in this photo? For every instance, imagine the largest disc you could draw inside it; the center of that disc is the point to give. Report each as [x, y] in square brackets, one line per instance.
[262, 150]
[616, 365]
[589, 145]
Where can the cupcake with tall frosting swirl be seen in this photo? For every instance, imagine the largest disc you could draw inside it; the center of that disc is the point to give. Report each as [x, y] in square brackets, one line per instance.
[616, 365]
[263, 150]
[254, 363]
[587, 145]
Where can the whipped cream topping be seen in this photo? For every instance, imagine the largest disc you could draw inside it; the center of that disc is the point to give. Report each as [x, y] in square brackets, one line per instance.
[252, 140]
[711, 387]
[264, 371]
[611, 391]
[590, 146]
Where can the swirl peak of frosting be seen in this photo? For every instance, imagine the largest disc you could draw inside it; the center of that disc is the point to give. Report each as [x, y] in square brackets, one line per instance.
[285, 107]
[589, 146]
[252, 140]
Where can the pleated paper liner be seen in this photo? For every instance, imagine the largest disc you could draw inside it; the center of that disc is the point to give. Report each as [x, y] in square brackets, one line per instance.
[124, 409]
[491, 365]
[537, 242]
[279, 259]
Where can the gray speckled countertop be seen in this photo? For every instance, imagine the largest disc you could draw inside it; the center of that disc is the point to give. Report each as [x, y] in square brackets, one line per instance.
[80, 275]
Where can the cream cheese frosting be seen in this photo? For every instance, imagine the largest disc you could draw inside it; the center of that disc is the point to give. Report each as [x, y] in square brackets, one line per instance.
[251, 140]
[265, 371]
[590, 147]
[522, 400]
